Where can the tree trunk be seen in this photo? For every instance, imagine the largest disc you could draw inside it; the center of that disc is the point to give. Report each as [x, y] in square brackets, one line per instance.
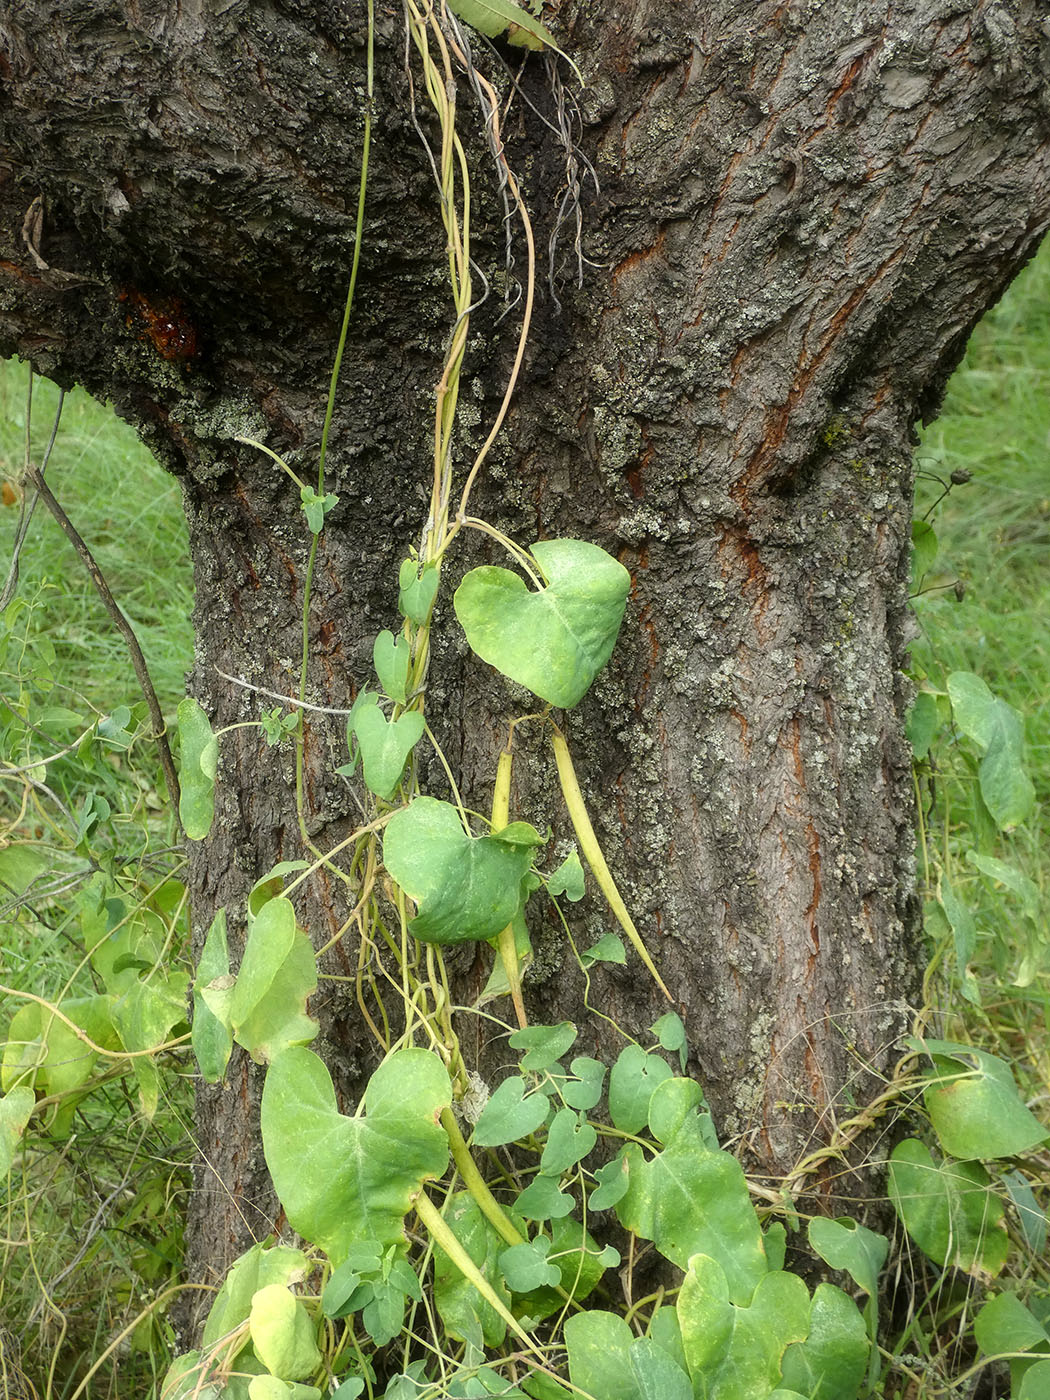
[802, 210]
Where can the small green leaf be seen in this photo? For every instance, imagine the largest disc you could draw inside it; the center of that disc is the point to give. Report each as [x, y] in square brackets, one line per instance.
[607, 1360]
[585, 1090]
[254, 1269]
[525, 1266]
[613, 1181]
[672, 1102]
[282, 1333]
[632, 1080]
[417, 591]
[316, 507]
[212, 993]
[670, 1032]
[510, 1115]
[199, 752]
[570, 1138]
[543, 1045]
[495, 17]
[974, 1104]
[846, 1245]
[391, 657]
[568, 879]
[278, 975]
[948, 1209]
[542, 1200]
[609, 948]
[467, 888]
[385, 746]
[554, 641]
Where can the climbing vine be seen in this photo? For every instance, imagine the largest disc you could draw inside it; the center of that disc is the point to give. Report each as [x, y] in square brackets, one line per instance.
[457, 1238]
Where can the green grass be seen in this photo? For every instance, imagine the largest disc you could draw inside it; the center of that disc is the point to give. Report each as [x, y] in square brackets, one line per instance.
[128, 511]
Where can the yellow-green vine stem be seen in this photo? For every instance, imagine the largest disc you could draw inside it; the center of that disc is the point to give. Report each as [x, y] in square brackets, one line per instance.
[592, 852]
[506, 946]
[475, 1182]
[442, 1234]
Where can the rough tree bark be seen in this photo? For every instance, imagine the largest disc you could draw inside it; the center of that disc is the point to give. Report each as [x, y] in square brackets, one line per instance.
[803, 210]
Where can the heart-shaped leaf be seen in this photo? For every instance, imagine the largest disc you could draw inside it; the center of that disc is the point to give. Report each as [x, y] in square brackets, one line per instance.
[510, 1116]
[569, 1139]
[255, 1269]
[199, 752]
[390, 657]
[735, 1349]
[554, 641]
[949, 1209]
[385, 746]
[417, 591]
[543, 1045]
[278, 974]
[974, 1104]
[690, 1200]
[466, 887]
[606, 1359]
[343, 1180]
[833, 1359]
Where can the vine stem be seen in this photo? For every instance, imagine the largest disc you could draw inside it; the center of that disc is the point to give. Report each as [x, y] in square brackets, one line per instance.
[506, 946]
[442, 1234]
[592, 852]
[475, 1182]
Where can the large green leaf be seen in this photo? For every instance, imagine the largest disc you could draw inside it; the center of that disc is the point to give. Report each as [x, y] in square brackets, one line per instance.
[199, 753]
[949, 1209]
[692, 1200]
[830, 1364]
[998, 730]
[466, 887]
[343, 1181]
[735, 1352]
[974, 1104]
[608, 1361]
[556, 640]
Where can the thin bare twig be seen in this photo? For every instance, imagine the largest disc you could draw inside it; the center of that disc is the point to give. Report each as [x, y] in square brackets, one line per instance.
[122, 625]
